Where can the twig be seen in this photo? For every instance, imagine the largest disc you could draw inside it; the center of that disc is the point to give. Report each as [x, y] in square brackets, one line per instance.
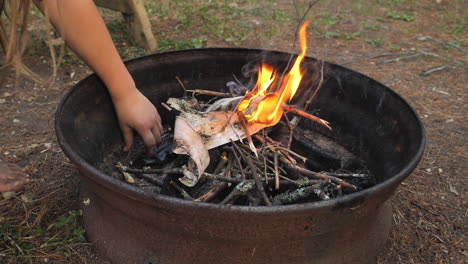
[298, 26]
[436, 69]
[221, 178]
[307, 115]
[166, 106]
[241, 188]
[128, 178]
[156, 181]
[14, 243]
[317, 175]
[273, 146]
[209, 92]
[304, 159]
[220, 185]
[153, 171]
[221, 164]
[319, 85]
[404, 57]
[291, 129]
[389, 54]
[233, 150]
[181, 83]
[246, 151]
[443, 43]
[171, 171]
[347, 175]
[236, 180]
[277, 146]
[257, 179]
[246, 132]
[212, 192]
[181, 190]
[409, 55]
[265, 168]
[301, 193]
[277, 181]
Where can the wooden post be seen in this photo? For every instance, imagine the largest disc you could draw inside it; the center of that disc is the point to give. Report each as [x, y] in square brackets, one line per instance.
[137, 19]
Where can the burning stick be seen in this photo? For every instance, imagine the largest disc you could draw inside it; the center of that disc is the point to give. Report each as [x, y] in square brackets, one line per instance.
[246, 131]
[307, 115]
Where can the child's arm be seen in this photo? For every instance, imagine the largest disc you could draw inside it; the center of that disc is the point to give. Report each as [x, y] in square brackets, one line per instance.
[83, 29]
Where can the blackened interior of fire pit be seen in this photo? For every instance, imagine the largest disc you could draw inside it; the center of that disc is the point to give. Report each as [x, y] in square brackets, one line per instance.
[368, 119]
[324, 155]
[335, 164]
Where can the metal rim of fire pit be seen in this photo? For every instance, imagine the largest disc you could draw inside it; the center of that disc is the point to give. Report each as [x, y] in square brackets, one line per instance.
[136, 193]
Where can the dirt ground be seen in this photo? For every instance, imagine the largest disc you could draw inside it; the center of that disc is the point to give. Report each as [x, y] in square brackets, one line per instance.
[42, 224]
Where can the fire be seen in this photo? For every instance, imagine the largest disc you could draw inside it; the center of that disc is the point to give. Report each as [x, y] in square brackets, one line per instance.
[264, 103]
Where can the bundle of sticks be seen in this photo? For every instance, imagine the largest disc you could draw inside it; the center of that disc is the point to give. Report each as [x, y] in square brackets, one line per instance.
[272, 174]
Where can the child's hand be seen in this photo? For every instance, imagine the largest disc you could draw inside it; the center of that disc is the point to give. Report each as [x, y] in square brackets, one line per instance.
[136, 112]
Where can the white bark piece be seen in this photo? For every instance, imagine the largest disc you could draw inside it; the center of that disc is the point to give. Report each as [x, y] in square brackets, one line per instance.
[214, 128]
[187, 141]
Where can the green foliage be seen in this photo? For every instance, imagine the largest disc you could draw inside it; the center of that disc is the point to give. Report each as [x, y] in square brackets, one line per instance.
[458, 42]
[170, 44]
[381, 19]
[329, 19]
[331, 34]
[376, 42]
[400, 16]
[127, 52]
[393, 46]
[363, 7]
[351, 35]
[15, 241]
[458, 29]
[368, 25]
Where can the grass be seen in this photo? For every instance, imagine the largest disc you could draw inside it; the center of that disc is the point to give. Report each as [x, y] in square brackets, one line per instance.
[20, 243]
[171, 44]
[371, 26]
[230, 21]
[376, 42]
[400, 16]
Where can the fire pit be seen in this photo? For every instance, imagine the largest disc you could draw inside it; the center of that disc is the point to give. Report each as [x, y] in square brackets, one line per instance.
[130, 225]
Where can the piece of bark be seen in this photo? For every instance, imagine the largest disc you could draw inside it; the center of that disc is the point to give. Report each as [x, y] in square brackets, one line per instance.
[187, 141]
[225, 104]
[214, 128]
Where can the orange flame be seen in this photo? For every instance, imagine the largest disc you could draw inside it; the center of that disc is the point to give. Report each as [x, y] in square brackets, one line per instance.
[263, 104]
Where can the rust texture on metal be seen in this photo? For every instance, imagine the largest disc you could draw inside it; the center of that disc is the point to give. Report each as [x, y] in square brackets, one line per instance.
[128, 225]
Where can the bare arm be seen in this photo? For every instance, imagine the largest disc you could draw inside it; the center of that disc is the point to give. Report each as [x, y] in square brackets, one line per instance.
[83, 29]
